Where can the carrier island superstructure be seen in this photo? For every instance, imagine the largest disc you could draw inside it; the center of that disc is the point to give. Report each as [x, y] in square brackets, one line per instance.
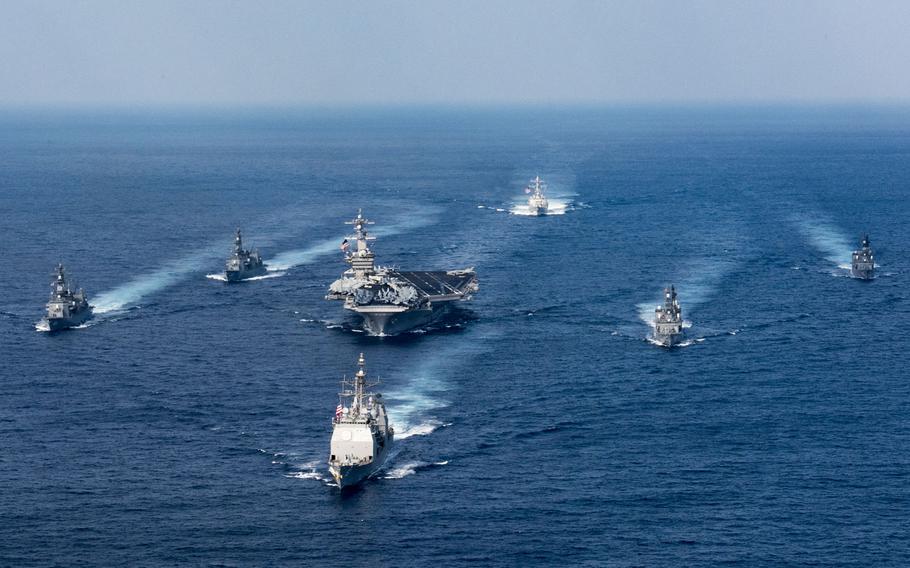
[668, 322]
[392, 301]
[361, 434]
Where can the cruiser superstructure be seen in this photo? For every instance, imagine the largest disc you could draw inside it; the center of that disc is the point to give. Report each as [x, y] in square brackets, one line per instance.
[66, 308]
[393, 301]
[668, 322]
[361, 434]
[537, 202]
[863, 265]
[243, 263]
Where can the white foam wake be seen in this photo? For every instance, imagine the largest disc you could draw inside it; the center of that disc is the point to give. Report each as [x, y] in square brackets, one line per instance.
[315, 470]
[420, 429]
[298, 257]
[310, 254]
[412, 406]
[134, 290]
[411, 468]
[556, 207]
[829, 240]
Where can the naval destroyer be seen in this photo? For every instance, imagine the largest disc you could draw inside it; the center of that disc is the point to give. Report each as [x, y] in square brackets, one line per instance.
[392, 301]
[243, 263]
[537, 203]
[863, 266]
[66, 308]
[668, 322]
[361, 434]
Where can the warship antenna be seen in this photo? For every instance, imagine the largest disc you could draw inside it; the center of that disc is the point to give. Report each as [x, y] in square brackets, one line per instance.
[360, 379]
[238, 242]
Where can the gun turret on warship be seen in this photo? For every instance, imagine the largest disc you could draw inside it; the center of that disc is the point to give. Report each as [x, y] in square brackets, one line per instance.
[537, 203]
[863, 266]
[394, 301]
[361, 434]
[66, 308]
[243, 263]
[668, 322]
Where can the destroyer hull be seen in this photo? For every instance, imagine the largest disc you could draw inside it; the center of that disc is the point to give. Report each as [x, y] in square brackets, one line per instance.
[863, 273]
[241, 275]
[60, 324]
[669, 340]
[395, 321]
[347, 476]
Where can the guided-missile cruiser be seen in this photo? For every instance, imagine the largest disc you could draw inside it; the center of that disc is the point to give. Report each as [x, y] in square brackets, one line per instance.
[243, 263]
[361, 434]
[668, 322]
[537, 203]
[863, 266]
[66, 308]
[392, 301]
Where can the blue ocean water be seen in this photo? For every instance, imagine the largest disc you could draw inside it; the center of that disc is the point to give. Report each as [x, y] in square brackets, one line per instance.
[189, 423]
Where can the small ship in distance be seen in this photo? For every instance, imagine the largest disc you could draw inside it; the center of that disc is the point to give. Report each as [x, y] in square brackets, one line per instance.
[863, 265]
[668, 322]
[537, 203]
[393, 301]
[361, 434]
[66, 308]
[243, 264]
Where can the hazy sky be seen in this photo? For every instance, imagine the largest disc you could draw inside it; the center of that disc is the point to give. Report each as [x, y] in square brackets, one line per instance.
[488, 51]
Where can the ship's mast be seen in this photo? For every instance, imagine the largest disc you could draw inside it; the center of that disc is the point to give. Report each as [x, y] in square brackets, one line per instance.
[58, 286]
[238, 243]
[537, 186]
[359, 380]
[358, 390]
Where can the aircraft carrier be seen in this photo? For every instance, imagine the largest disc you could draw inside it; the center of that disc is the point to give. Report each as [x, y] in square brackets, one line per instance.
[392, 301]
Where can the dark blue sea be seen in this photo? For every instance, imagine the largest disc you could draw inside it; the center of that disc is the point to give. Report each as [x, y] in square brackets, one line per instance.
[189, 423]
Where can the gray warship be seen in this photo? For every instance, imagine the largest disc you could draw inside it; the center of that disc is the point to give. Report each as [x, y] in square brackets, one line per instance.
[361, 434]
[668, 322]
[863, 265]
[66, 308]
[392, 301]
[537, 203]
[243, 263]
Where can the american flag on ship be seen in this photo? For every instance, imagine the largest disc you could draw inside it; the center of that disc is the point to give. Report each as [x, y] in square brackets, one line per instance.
[344, 245]
[339, 410]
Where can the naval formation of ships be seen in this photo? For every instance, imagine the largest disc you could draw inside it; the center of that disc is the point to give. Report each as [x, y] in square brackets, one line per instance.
[390, 302]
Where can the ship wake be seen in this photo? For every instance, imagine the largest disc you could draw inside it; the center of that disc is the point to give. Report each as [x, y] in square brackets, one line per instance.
[830, 241]
[411, 468]
[131, 293]
[557, 206]
[696, 286]
[299, 257]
